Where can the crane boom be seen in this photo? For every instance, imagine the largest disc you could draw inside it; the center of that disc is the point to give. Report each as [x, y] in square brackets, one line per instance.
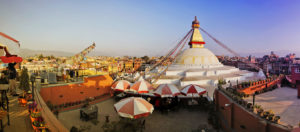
[80, 56]
[77, 58]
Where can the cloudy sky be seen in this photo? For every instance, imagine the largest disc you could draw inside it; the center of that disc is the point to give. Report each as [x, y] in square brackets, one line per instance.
[143, 27]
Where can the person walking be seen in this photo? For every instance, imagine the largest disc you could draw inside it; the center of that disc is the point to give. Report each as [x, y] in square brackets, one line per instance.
[77, 74]
[71, 75]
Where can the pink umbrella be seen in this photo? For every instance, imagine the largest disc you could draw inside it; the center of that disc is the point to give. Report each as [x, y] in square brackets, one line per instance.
[121, 85]
[192, 89]
[141, 87]
[166, 90]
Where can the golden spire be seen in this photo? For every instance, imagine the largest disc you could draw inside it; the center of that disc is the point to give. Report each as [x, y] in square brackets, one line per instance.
[196, 39]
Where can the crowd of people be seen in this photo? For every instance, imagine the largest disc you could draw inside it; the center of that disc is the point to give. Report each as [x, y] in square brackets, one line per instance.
[70, 75]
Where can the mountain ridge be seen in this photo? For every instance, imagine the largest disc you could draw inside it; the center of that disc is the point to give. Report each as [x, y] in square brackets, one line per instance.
[29, 52]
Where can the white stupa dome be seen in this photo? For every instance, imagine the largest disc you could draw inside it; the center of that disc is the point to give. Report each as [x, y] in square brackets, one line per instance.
[197, 57]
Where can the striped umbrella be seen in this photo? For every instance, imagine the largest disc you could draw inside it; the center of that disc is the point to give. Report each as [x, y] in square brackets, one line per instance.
[121, 85]
[166, 90]
[141, 87]
[133, 107]
[192, 89]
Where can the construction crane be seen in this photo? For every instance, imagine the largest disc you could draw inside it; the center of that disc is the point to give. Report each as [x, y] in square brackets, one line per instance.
[81, 55]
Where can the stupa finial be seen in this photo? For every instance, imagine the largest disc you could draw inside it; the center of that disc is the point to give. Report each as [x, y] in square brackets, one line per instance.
[196, 38]
[195, 23]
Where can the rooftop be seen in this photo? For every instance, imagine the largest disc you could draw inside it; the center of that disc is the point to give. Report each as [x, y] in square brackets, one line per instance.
[283, 102]
[189, 119]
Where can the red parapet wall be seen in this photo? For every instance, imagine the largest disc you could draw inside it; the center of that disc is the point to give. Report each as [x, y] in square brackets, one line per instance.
[235, 117]
[91, 87]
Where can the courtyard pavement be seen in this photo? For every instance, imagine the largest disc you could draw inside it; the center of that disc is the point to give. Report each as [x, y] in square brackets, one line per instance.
[283, 102]
[174, 121]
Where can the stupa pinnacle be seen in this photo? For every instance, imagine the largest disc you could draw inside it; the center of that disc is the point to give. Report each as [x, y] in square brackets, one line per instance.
[196, 39]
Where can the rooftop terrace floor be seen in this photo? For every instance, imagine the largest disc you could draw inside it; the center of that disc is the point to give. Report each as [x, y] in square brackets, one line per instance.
[181, 120]
[19, 117]
[283, 102]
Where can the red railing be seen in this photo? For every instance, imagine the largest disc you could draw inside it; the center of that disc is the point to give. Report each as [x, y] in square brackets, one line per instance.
[259, 85]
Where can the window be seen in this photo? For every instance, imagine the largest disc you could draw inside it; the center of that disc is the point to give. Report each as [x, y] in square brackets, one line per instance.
[81, 92]
[297, 70]
[61, 96]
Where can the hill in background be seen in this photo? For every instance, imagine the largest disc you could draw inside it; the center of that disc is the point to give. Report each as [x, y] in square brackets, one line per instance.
[28, 52]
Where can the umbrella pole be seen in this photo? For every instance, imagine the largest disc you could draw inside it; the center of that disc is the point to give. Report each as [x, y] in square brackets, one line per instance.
[192, 98]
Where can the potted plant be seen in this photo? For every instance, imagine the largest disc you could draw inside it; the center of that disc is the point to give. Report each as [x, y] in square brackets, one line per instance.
[65, 105]
[28, 95]
[242, 94]
[270, 117]
[61, 106]
[22, 99]
[266, 114]
[277, 119]
[240, 101]
[38, 124]
[55, 107]
[244, 103]
[256, 108]
[34, 116]
[249, 106]
[50, 105]
[32, 107]
[260, 112]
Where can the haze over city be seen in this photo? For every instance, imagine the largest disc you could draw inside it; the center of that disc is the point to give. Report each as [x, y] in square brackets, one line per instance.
[138, 28]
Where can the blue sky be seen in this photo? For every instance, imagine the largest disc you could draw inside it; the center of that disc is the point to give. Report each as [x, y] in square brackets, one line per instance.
[141, 27]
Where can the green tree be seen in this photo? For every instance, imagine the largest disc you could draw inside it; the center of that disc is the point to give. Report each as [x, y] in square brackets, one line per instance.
[40, 56]
[24, 80]
[52, 57]
[145, 58]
